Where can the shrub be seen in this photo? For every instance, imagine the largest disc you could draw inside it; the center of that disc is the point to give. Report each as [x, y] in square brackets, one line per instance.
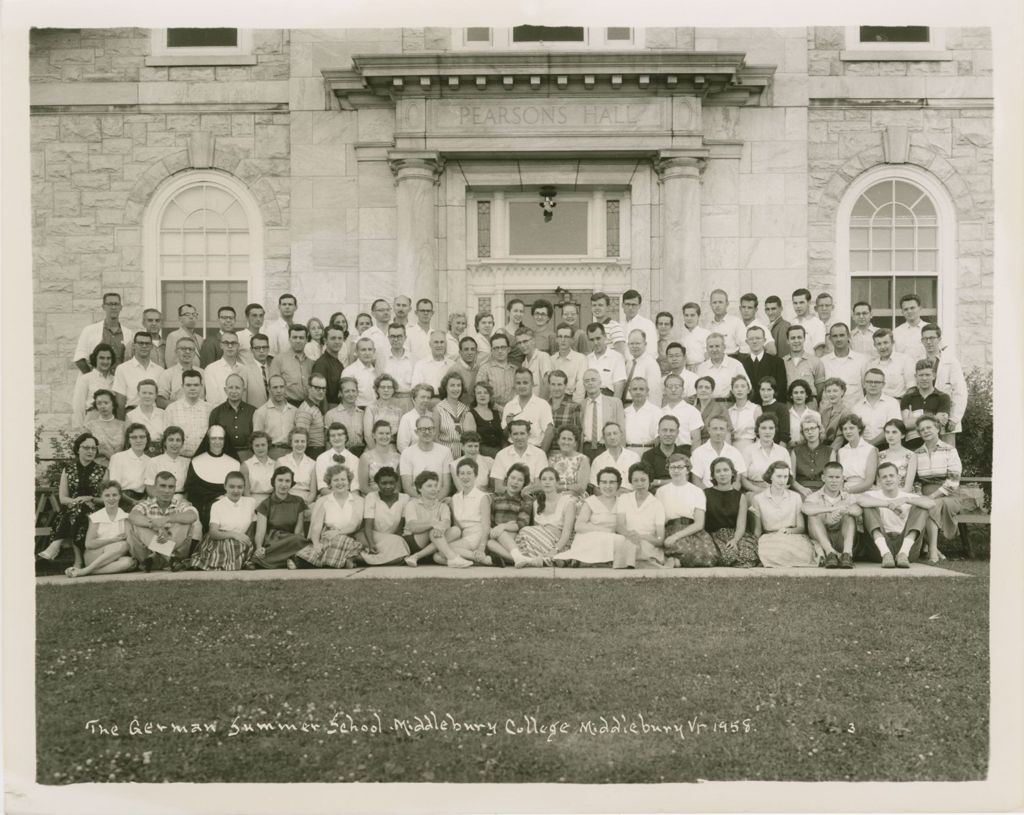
[975, 440]
[52, 448]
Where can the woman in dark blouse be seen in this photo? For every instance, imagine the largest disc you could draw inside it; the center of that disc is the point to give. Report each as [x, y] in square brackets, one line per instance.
[768, 390]
[487, 419]
[725, 516]
[709, 407]
[279, 524]
[809, 457]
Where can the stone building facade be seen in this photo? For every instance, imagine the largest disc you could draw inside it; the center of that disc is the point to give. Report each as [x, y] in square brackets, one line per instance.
[345, 165]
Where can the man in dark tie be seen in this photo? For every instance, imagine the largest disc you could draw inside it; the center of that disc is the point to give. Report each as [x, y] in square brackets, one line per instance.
[258, 371]
[759, 364]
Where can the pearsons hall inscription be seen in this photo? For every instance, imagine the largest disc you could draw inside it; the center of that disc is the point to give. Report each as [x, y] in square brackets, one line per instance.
[547, 115]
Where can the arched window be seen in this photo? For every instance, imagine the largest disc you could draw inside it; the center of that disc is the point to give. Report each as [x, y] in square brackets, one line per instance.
[895, 232]
[204, 247]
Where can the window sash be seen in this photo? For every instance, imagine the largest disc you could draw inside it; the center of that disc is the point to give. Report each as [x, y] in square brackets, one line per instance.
[615, 37]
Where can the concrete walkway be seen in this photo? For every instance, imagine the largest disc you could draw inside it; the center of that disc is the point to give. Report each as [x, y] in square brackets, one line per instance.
[862, 570]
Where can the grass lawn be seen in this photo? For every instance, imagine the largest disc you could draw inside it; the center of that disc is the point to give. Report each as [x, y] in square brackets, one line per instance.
[865, 679]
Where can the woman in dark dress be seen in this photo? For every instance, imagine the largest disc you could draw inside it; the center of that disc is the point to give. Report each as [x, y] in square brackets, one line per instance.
[487, 420]
[279, 524]
[214, 459]
[810, 456]
[79, 496]
[709, 407]
[725, 516]
[768, 389]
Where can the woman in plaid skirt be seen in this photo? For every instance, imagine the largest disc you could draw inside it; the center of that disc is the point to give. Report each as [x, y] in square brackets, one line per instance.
[337, 517]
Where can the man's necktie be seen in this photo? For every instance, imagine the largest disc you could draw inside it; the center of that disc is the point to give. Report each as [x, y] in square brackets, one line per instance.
[625, 388]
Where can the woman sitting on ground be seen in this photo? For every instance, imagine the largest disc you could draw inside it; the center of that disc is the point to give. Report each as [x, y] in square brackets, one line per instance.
[381, 454]
[214, 459]
[596, 543]
[258, 469]
[511, 511]
[808, 458]
[762, 453]
[684, 503]
[858, 457]
[337, 518]
[169, 461]
[572, 466]
[106, 541]
[428, 522]
[227, 546]
[895, 453]
[779, 524]
[78, 495]
[279, 524]
[471, 511]
[725, 516]
[383, 510]
[641, 519]
[471, 451]
[549, 534]
[128, 466]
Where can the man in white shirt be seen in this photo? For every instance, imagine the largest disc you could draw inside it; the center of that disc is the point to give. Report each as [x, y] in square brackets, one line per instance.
[527, 406]
[571, 362]
[419, 333]
[676, 359]
[949, 377]
[277, 331]
[536, 362]
[363, 371]
[843, 363]
[895, 520]
[731, 328]
[720, 367]
[714, 447]
[276, 418]
[690, 420]
[109, 330]
[642, 417]
[814, 329]
[614, 455]
[254, 316]
[397, 361]
[600, 308]
[519, 452]
[218, 371]
[748, 314]
[378, 332]
[131, 372]
[823, 308]
[693, 337]
[191, 412]
[403, 305]
[169, 381]
[188, 315]
[631, 301]
[875, 408]
[431, 371]
[466, 366]
[152, 322]
[608, 363]
[862, 332]
[908, 335]
[898, 368]
[640, 364]
[425, 455]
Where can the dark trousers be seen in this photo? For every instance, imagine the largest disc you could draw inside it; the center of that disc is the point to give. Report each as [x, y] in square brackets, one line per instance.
[916, 520]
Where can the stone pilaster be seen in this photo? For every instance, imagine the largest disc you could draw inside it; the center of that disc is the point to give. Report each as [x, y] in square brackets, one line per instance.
[679, 172]
[416, 174]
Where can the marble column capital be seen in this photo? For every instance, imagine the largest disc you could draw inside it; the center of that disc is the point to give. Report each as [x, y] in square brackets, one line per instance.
[425, 165]
[680, 163]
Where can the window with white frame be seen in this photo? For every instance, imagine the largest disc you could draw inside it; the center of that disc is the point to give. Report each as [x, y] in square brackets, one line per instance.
[533, 37]
[583, 224]
[203, 246]
[199, 42]
[894, 38]
[894, 250]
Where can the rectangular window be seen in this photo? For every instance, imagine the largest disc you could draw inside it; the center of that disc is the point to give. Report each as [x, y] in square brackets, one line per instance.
[619, 34]
[202, 37]
[565, 234]
[483, 229]
[900, 43]
[207, 296]
[884, 293]
[612, 228]
[548, 33]
[893, 34]
[534, 37]
[478, 35]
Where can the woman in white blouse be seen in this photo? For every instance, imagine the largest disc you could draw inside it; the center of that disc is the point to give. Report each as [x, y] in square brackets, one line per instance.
[106, 540]
[148, 414]
[337, 517]
[471, 511]
[858, 457]
[170, 461]
[641, 519]
[258, 469]
[128, 467]
[383, 509]
[742, 413]
[301, 465]
[228, 544]
[684, 503]
[762, 453]
[101, 377]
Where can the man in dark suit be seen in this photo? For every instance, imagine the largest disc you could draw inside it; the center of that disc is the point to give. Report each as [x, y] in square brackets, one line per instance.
[759, 363]
[597, 411]
[777, 324]
[210, 351]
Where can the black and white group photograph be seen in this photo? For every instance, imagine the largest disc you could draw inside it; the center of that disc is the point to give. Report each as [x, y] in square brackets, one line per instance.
[613, 400]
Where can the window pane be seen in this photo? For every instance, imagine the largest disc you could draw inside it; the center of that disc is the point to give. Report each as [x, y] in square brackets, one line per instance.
[863, 208]
[195, 267]
[195, 243]
[924, 287]
[612, 228]
[904, 261]
[171, 243]
[547, 33]
[904, 238]
[881, 261]
[478, 35]
[564, 234]
[483, 229]
[858, 238]
[906, 194]
[926, 238]
[926, 261]
[202, 37]
[894, 33]
[880, 194]
[619, 34]
[858, 261]
[175, 294]
[217, 243]
[881, 238]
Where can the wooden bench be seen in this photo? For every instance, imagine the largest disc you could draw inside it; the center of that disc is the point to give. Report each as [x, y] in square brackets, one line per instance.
[983, 515]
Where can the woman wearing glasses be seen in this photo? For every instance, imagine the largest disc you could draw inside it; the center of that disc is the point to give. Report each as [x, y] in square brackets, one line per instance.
[79, 495]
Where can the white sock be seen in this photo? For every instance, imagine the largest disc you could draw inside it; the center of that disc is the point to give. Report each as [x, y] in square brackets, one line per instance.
[883, 547]
[908, 544]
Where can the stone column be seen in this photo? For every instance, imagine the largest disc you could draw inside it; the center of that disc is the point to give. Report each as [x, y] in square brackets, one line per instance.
[680, 172]
[416, 173]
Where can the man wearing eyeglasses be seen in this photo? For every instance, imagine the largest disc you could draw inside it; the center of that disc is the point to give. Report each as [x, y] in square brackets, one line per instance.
[418, 334]
[218, 371]
[875, 408]
[497, 372]
[109, 330]
[309, 415]
[257, 372]
[188, 316]
[131, 372]
[210, 350]
[425, 455]
[378, 332]
[170, 381]
[254, 315]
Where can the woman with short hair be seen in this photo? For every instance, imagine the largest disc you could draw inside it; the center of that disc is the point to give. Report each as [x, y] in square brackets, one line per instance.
[487, 420]
[258, 469]
[799, 396]
[685, 538]
[386, 407]
[471, 512]
[762, 453]
[315, 347]
[227, 546]
[169, 461]
[279, 524]
[596, 542]
[779, 524]
[303, 467]
[106, 427]
[452, 413]
[128, 466]
[938, 476]
[894, 452]
[641, 519]
[858, 457]
[551, 530]
[809, 457]
[572, 466]
[742, 413]
[100, 377]
[383, 510]
[337, 518]
[511, 510]
[381, 454]
[725, 516]
[710, 408]
[428, 522]
[832, 409]
[105, 550]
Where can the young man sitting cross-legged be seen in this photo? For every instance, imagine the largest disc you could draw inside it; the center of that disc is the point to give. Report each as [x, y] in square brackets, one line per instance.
[832, 515]
[894, 519]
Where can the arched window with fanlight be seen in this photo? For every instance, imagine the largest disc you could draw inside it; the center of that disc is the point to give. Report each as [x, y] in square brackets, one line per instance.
[895, 230]
[203, 238]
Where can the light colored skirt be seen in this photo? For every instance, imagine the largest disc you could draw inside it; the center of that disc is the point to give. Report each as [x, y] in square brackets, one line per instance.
[227, 555]
[332, 551]
[601, 548]
[779, 549]
[536, 541]
[390, 548]
[945, 510]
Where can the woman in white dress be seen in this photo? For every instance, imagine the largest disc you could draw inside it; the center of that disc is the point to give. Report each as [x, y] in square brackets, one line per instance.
[169, 461]
[383, 508]
[553, 516]
[128, 467]
[762, 453]
[471, 511]
[596, 542]
[301, 465]
[779, 525]
[336, 519]
[258, 469]
[742, 413]
[106, 540]
[858, 457]
[641, 519]
[228, 544]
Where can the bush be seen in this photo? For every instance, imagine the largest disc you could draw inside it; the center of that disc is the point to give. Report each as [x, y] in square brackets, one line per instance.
[975, 440]
[52, 448]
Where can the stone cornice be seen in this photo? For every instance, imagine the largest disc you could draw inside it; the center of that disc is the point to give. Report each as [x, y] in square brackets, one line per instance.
[719, 78]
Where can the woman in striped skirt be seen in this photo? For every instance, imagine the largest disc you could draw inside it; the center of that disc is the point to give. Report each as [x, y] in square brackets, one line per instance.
[228, 545]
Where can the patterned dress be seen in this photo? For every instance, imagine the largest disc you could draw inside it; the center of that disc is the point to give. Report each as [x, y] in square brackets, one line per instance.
[540, 540]
[449, 425]
[697, 549]
[568, 468]
[901, 459]
[721, 516]
[941, 469]
[335, 545]
[72, 522]
[227, 554]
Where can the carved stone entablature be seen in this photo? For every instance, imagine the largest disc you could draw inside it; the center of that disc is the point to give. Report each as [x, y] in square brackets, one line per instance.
[488, 277]
[717, 78]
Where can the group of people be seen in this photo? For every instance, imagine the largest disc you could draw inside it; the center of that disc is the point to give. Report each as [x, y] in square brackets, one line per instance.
[741, 442]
